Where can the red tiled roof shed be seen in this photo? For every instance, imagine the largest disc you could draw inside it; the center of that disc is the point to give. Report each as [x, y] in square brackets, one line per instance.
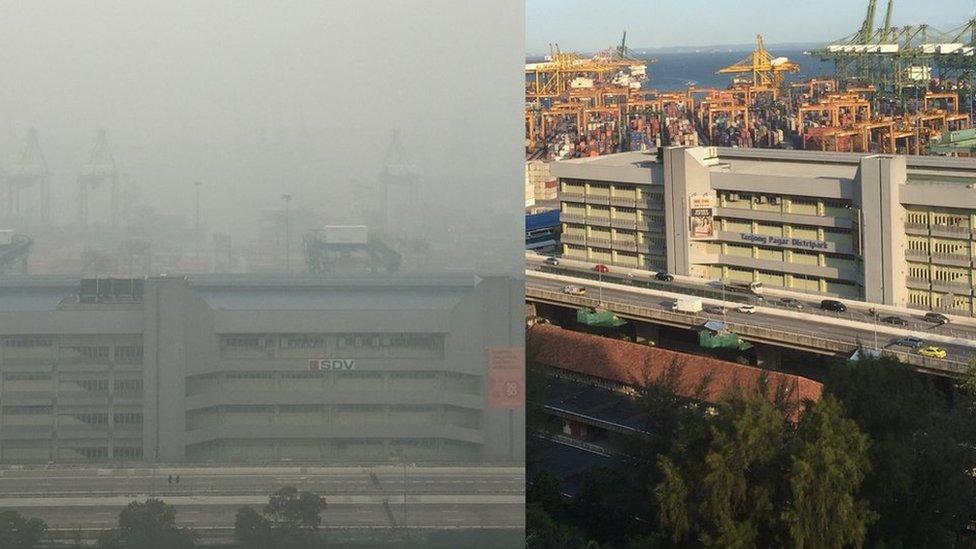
[635, 365]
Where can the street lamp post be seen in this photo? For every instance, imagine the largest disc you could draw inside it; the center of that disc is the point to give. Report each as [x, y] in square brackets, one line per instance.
[287, 199]
[599, 278]
[722, 285]
[196, 185]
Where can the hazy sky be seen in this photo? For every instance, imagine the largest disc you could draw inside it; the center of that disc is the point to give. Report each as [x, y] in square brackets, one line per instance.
[594, 25]
[257, 98]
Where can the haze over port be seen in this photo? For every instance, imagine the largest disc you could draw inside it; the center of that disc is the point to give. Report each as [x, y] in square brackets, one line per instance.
[254, 101]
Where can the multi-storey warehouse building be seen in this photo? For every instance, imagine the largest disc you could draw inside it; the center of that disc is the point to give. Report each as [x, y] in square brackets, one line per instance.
[257, 368]
[886, 229]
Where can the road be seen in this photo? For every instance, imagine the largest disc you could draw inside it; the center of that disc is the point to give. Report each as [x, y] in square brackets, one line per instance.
[617, 293]
[207, 497]
[960, 327]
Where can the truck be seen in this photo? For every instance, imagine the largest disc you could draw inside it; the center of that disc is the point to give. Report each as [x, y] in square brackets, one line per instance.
[687, 305]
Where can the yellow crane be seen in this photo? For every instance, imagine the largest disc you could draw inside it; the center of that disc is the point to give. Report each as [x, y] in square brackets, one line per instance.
[767, 71]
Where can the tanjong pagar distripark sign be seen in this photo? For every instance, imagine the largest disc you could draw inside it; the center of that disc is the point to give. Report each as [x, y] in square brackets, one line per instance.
[786, 242]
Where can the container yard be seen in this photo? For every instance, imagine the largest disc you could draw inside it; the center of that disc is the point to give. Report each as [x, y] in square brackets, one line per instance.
[904, 90]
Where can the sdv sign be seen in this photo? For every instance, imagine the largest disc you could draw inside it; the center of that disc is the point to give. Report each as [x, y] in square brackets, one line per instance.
[319, 364]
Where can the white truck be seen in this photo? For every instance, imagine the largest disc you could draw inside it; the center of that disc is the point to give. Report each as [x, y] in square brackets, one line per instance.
[687, 305]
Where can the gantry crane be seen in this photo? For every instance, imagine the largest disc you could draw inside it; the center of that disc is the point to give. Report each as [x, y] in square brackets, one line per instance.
[14, 249]
[767, 71]
[30, 171]
[323, 256]
[100, 169]
[553, 77]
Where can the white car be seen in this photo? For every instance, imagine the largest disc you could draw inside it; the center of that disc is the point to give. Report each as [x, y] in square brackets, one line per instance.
[746, 309]
[574, 290]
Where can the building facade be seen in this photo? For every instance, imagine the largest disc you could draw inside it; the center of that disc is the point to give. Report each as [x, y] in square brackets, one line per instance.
[251, 368]
[885, 229]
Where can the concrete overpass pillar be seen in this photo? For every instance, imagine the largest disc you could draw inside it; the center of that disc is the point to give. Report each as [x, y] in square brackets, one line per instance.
[647, 334]
[768, 356]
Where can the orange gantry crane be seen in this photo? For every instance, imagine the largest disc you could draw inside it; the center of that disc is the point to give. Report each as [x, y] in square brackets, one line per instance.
[767, 71]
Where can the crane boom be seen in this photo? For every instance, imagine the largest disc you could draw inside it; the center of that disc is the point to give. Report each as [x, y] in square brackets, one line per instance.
[887, 21]
[867, 27]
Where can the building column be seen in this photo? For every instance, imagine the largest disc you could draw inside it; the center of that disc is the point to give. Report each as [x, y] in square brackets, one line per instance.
[881, 223]
[164, 372]
[647, 334]
[768, 357]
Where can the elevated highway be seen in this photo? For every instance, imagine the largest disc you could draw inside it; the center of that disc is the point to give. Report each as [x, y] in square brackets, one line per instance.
[772, 326]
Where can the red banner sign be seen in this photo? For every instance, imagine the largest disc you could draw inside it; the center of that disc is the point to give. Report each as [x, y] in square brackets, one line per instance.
[506, 377]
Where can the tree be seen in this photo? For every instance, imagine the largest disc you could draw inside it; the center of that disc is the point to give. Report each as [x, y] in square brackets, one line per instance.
[148, 525]
[743, 470]
[16, 532]
[252, 530]
[729, 493]
[546, 490]
[828, 465]
[542, 532]
[921, 431]
[290, 521]
[295, 509]
[608, 506]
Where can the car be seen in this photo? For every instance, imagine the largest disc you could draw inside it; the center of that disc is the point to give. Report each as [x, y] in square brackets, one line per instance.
[894, 320]
[932, 352]
[715, 309]
[601, 268]
[833, 305]
[664, 277]
[909, 341]
[552, 261]
[790, 303]
[937, 318]
[746, 309]
[574, 290]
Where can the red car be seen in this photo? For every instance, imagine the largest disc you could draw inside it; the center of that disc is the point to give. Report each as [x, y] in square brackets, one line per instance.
[601, 268]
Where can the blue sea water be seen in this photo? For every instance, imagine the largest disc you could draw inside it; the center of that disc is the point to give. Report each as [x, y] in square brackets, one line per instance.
[677, 71]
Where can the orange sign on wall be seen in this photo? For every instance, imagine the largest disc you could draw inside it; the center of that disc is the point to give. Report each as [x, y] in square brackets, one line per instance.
[506, 377]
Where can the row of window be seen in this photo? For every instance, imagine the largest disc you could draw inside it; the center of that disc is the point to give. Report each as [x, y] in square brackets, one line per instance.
[91, 385]
[319, 341]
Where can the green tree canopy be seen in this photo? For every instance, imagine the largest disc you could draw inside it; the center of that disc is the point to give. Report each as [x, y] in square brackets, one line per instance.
[829, 463]
[17, 532]
[290, 521]
[148, 525]
[922, 431]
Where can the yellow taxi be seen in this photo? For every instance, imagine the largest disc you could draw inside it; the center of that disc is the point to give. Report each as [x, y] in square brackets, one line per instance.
[932, 352]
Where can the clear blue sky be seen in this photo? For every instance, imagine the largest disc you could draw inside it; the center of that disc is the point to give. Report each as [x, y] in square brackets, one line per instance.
[596, 24]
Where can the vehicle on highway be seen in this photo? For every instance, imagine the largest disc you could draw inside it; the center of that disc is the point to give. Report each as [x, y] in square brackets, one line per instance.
[574, 290]
[687, 305]
[790, 303]
[664, 276]
[716, 309]
[895, 320]
[932, 352]
[754, 288]
[601, 268]
[937, 318]
[552, 261]
[833, 305]
[909, 341]
[746, 309]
